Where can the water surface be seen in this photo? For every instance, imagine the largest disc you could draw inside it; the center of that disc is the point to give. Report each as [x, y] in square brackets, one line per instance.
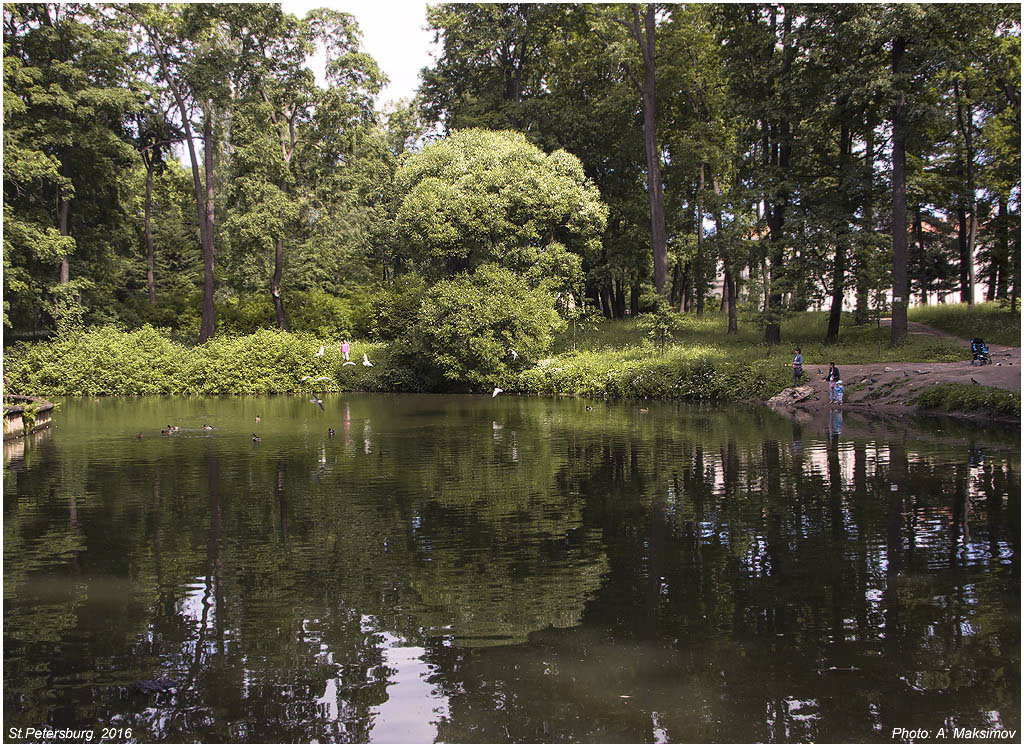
[468, 569]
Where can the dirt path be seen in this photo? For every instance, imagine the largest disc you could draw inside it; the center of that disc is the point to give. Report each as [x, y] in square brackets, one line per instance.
[894, 386]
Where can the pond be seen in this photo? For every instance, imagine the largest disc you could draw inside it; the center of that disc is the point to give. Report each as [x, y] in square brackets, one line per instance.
[469, 569]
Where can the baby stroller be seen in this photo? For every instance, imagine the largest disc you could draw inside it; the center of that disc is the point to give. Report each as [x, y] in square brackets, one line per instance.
[979, 352]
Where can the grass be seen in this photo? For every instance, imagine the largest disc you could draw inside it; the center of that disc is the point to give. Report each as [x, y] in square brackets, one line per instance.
[706, 338]
[991, 322]
[970, 398]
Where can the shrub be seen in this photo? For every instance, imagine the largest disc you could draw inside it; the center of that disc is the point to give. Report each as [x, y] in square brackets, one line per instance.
[101, 360]
[468, 326]
[953, 397]
[396, 308]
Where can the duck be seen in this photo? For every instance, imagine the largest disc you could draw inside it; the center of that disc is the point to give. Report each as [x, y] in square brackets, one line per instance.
[256, 439]
[139, 436]
[207, 427]
[257, 418]
[165, 431]
[330, 433]
[589, 408]
[643, 409]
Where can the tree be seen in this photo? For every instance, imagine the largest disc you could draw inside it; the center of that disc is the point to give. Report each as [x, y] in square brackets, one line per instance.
[274, 154]
[641, 31]
[66, 111]
[480, 196]
[192, 55]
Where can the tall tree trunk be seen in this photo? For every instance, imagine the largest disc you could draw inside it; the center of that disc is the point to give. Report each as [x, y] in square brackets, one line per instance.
[648, 95]
[620, 299]
[961, 236]
[780, 200]
[208, 327]
[729, 285]
[898, 330]
[63, 207]
[204, 205]
[861, 312]
[698, 264]
[606, 307]
[924, 280]
[275, 284]
[150, 278]
[839, 266]
[964, 115]
[1004, 248]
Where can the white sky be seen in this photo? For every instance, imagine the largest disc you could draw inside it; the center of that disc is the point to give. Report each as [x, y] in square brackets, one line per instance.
[393, 34]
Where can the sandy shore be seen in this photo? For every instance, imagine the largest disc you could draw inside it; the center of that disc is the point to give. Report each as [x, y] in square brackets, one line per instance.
[893, 387]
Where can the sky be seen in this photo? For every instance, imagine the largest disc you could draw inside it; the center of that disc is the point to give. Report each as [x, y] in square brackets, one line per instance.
[393, 34]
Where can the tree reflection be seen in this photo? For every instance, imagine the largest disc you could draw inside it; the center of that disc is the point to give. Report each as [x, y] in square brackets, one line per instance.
[562, 575]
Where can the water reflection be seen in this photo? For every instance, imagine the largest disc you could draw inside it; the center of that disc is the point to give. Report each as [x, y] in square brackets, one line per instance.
[477, 570]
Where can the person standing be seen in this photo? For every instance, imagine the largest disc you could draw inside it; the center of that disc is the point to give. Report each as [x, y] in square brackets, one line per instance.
[798, 367]
[344, 349]
[832, 378]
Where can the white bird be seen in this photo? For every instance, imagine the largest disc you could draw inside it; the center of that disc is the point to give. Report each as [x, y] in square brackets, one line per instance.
[366, 361]
[318, 378]
[320, 352]
[496, 392]
[515, 355]
[349, 363]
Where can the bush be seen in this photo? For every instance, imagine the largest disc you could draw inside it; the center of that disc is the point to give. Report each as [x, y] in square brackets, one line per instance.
[951, 397]
[396, 308]
[468, 327]
[101, 360]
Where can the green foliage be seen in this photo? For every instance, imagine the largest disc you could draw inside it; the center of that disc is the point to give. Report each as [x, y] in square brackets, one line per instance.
[857, 343]
[662, 322]
[691, 374]
[480, 196]
[992, 322]
[396, 308]
[951, 397]
[111, 361]
[101, 360]
[468, 326]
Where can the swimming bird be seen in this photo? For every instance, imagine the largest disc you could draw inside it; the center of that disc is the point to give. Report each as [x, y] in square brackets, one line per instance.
[643, 409]
[320, 352]
[330, 433]
[496, 392]
[366, 361]
[207, 427]
[256, 439]
[140, 436]
[257, 418]
[589, 408]
[974, 380]
[317, 401]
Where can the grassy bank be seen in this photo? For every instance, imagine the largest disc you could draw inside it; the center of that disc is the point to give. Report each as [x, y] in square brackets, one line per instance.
[967, 398]
[612, 359]
[990, 321]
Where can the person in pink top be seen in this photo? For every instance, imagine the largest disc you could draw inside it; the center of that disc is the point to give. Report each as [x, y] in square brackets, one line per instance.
[344, 349]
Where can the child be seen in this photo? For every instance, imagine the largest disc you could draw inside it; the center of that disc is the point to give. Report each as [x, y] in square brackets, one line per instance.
[344, 349]
[838, 391]
[798, 367]
[833, 377]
